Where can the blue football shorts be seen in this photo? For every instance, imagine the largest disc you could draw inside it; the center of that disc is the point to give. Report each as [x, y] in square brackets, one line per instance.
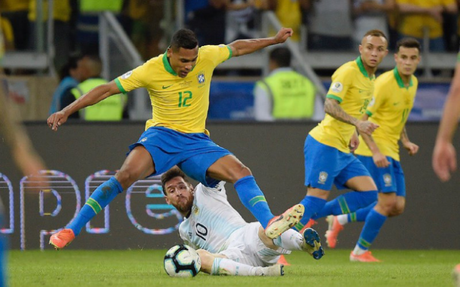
[388, 179]
[194, 153]
[326, 165]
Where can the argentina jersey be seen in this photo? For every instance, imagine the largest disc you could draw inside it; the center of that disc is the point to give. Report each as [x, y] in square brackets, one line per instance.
[211, 221]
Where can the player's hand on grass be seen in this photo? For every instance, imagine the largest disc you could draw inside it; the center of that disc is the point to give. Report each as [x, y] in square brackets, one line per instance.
[444, 160]
[380, 160]
[366, 127]
[56, 119]
[283, 34]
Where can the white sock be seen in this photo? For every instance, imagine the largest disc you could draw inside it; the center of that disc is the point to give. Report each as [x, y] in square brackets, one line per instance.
[358, 250]
[224, 266]
[342, 219]
[289, 240]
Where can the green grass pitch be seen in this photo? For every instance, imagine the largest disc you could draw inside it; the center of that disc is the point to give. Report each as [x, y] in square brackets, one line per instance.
[145, 268]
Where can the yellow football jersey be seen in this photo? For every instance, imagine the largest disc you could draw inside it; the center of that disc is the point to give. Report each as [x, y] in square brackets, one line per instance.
[353, 88]
[390, 109]
[178, 103]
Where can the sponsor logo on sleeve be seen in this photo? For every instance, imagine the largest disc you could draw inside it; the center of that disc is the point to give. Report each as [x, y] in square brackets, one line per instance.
[336, 87]
[127, 75]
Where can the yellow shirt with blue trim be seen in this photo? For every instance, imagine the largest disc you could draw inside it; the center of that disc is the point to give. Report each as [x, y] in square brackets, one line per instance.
[390, 109]
[353, 89]
[178, 103]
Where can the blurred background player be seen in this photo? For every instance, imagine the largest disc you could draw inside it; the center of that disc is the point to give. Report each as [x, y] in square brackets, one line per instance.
[24, 155]
[284, 93]
[444, 153]
[227, 244]
[394, 97]
[328, 159]
[178, 82]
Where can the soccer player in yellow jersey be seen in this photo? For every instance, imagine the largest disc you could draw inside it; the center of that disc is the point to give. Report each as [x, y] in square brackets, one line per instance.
[178, 83]
[328, 159]
[444, 154]
[393, 100]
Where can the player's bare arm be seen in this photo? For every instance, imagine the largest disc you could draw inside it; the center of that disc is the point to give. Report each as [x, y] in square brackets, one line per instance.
[354, 141]
[248, 46]
[444, 153]
[332, 107]
[92, 97]
[411, 148]
[379, 158]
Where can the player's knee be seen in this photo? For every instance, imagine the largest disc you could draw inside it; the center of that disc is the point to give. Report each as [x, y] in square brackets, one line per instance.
[398, 209]
[388, 205]
[239, 172]
[125, 178]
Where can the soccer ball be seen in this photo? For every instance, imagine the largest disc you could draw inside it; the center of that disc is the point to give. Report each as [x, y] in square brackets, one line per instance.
[182, 261]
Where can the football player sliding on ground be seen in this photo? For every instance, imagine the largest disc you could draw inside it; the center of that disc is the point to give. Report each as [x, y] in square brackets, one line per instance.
[226, 243]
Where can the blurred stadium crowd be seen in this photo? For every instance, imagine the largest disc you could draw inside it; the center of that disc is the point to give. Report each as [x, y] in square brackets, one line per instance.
[321, 25]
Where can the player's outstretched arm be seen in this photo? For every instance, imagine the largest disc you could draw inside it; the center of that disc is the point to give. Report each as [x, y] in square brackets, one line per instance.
[92, 97]
[444, 154]
[248, 46]
[332, 107]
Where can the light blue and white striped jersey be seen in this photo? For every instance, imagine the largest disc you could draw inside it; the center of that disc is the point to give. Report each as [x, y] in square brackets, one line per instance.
[211, 221]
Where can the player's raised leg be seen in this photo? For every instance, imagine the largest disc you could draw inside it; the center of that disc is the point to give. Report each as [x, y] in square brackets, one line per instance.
[137, 165]
[230, 169]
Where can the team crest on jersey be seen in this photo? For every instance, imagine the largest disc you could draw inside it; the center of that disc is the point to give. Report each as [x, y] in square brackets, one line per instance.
[196, 209]
[127, 75]
[387, 179]
[201, 78]
[322, 177]
[336, 87]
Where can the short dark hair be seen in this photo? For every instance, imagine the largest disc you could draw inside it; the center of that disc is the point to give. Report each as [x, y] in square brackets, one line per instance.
[375, 33]
[72, 64]
[408, 42]
[184, 38]
[170, 174]
[281, 56]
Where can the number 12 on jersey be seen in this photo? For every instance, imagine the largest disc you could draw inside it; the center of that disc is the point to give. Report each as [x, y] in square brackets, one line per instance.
[183, 97]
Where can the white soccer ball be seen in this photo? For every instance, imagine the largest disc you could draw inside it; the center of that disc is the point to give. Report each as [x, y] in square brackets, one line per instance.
[182, 261]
